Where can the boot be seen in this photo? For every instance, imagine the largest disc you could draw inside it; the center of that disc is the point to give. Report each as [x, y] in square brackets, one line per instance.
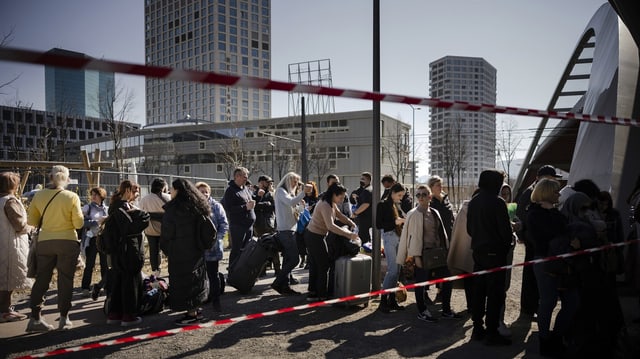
[393, 303]
[384, 303]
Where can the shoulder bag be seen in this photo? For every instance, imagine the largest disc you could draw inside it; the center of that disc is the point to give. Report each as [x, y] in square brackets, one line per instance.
[32, 269]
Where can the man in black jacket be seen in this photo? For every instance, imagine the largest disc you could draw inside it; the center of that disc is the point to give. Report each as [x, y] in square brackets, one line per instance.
[238, 204]
[490, 230]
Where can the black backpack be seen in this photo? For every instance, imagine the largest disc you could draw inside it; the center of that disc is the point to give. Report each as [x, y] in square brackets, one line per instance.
[107, 237]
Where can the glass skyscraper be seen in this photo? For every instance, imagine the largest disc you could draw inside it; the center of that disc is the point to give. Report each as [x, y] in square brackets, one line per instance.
[225, 36]
[76, 92]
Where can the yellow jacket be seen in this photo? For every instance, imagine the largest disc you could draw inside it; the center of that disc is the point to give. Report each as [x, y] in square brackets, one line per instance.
[62, 218]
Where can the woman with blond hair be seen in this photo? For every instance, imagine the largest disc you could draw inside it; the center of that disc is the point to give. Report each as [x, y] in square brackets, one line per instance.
[14, 246]
[59, 213]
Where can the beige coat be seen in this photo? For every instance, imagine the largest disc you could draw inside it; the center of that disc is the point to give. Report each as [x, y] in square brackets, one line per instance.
[411, 238]
[14, 249]
[460, 259]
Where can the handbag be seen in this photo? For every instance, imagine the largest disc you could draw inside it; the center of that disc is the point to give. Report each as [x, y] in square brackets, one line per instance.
[433, 258]
[32, 268]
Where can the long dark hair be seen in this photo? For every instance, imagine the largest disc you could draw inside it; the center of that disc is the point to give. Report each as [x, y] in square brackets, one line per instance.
[189, 198]
[333, 190]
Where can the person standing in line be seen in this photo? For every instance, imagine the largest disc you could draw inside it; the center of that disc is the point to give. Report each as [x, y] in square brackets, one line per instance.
[127, 257]
[529, 293]
[152, 203]
[95, 212]
[14, 246]
[490, 230]
[545, 224]
[214, 255]
[288, 198]
[362, 198]
[58, 246]
[181, 243]
[322, 222]
[239, 205]
[265, 207]
[389, 219]
[423, 229]
[387, 182]
[310, 199]
[440, 202]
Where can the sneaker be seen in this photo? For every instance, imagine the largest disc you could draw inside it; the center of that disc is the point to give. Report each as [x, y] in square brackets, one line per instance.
[284, 290]
[12, 316]
[86, 293]
[191, 319]
[65, 323]
[38, 326]
[504, 330]
[130, 321]
[427, 317]
[451, 314]
[95, 291]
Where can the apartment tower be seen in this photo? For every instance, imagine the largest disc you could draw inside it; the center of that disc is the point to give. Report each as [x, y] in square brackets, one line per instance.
[463, 143]
[225, 36]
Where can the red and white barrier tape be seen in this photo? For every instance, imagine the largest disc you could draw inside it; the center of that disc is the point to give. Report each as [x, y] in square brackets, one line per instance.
[34, 57]
[242, 318]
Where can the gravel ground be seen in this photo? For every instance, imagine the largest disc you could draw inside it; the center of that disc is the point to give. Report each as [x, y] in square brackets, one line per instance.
[328, 332]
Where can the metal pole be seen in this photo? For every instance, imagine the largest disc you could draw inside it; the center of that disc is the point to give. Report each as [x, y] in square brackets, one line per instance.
[303, 130]
[375, 180]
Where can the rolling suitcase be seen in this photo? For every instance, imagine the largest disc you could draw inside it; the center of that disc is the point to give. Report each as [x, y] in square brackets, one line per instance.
[244, 271]
[352, 276]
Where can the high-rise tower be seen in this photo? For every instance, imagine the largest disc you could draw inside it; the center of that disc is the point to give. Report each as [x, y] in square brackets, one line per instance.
[463, 143]
[76, 92]
[225, 36]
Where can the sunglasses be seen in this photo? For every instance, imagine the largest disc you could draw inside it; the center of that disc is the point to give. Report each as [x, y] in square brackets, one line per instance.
[420, 195]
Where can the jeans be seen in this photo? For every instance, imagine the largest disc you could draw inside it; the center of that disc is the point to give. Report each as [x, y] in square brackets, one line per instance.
[239, 235]
[214, 281]
[390, 241]
[61, 254]
[91, 252]
[154, 252]
[319, 264]
[549, 294]
[289, 257]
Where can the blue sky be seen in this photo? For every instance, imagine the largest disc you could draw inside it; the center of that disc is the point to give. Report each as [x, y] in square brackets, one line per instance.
[528, 42]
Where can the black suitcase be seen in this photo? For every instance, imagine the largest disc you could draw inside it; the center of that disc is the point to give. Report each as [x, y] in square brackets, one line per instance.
[244, 271]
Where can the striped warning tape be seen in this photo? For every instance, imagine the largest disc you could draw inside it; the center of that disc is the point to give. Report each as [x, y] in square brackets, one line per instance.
[242, 318]
[44, 58]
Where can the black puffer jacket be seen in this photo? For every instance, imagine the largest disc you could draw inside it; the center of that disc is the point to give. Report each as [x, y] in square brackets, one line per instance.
[187, 270]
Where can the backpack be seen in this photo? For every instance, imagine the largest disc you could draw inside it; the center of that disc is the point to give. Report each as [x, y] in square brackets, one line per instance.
[107, 237]
[154, 295]
[206, 231]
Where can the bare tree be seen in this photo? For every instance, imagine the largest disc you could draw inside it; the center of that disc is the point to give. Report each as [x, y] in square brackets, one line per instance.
[114, 108]
[507, 144]
[319, 161]
[453, 154]
[6, 39]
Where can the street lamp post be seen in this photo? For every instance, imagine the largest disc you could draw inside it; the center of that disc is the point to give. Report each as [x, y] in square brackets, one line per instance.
[413, 147]
[273, 146]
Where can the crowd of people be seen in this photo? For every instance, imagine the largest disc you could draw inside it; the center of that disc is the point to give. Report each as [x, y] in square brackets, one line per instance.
[547, 219]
